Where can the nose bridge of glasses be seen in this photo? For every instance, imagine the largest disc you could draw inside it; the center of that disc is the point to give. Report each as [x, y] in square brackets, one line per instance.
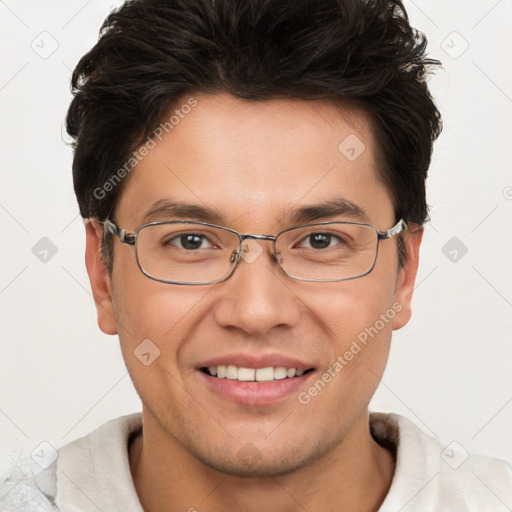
[249, 236]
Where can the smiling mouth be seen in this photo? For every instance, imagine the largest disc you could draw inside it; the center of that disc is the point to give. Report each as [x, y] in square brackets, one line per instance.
[243, 374]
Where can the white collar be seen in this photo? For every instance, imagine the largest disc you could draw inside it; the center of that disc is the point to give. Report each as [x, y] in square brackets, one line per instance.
[93, 473]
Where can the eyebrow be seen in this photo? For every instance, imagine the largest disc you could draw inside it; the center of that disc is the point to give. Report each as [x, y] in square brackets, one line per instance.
[338, 207]
[165, 209]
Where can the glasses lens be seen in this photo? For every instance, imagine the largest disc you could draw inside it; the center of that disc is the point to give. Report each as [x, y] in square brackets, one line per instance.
[328, 252]
[186, 252]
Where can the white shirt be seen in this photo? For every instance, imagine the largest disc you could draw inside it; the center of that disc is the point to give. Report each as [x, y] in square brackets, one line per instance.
[92, 474]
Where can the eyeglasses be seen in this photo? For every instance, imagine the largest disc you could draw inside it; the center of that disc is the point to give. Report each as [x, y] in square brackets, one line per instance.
[195, 253]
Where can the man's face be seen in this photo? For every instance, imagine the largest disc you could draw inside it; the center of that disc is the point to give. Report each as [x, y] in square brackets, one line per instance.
[255, 165]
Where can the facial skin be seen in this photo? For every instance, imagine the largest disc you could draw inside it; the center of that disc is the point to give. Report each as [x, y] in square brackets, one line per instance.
[254, 163]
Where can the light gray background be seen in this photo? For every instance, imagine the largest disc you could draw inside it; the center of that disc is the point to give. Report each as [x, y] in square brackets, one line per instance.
[449, 369]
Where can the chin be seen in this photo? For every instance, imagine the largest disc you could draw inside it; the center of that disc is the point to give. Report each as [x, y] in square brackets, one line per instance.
[245, 466]
[265, 459]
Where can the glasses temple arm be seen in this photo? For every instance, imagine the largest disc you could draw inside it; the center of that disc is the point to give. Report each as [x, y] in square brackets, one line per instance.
[395, 230]
[124, 237]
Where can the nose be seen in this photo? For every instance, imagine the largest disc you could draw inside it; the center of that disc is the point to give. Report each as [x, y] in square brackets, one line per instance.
[257, 297]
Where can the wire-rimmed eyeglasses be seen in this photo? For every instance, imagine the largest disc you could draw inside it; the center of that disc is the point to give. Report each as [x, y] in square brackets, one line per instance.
[197, 253]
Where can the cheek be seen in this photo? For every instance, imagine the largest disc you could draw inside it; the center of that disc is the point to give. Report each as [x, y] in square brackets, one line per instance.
[357, 321]
[349, 309]
[356, 316]
[155, 325]
[146, 309]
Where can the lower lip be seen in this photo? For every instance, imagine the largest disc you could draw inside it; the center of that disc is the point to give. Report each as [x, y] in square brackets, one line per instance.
[256, 393]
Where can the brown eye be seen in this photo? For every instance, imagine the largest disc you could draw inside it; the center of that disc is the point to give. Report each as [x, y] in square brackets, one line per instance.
[319, 241]
[189, 241]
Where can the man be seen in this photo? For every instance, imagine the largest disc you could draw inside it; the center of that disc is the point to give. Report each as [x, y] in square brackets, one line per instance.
[252, 175]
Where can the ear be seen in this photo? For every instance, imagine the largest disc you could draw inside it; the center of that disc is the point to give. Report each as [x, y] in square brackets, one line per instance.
[99, 277]
[407, 277]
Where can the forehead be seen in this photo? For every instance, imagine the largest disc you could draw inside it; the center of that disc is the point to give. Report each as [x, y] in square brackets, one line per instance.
[262, 159]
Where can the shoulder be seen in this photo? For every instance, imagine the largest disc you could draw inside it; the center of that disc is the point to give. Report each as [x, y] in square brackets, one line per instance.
[432, 476]
[96, 468]
[85, 463]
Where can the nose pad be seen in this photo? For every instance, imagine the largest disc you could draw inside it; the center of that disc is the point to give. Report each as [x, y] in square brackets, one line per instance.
[235, 256]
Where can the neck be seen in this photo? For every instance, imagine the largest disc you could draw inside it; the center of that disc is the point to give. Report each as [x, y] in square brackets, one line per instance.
[355, 475]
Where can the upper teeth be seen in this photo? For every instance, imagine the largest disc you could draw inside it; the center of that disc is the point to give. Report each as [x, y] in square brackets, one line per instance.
[253, 374]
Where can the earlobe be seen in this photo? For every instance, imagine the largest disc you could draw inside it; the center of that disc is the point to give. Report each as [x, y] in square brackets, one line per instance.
[407, 277]
[99, 278]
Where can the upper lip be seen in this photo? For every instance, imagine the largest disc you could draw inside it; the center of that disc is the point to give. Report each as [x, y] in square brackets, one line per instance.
[248, 360]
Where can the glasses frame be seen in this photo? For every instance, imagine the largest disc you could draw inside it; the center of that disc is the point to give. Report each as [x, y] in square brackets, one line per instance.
[128, 238]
